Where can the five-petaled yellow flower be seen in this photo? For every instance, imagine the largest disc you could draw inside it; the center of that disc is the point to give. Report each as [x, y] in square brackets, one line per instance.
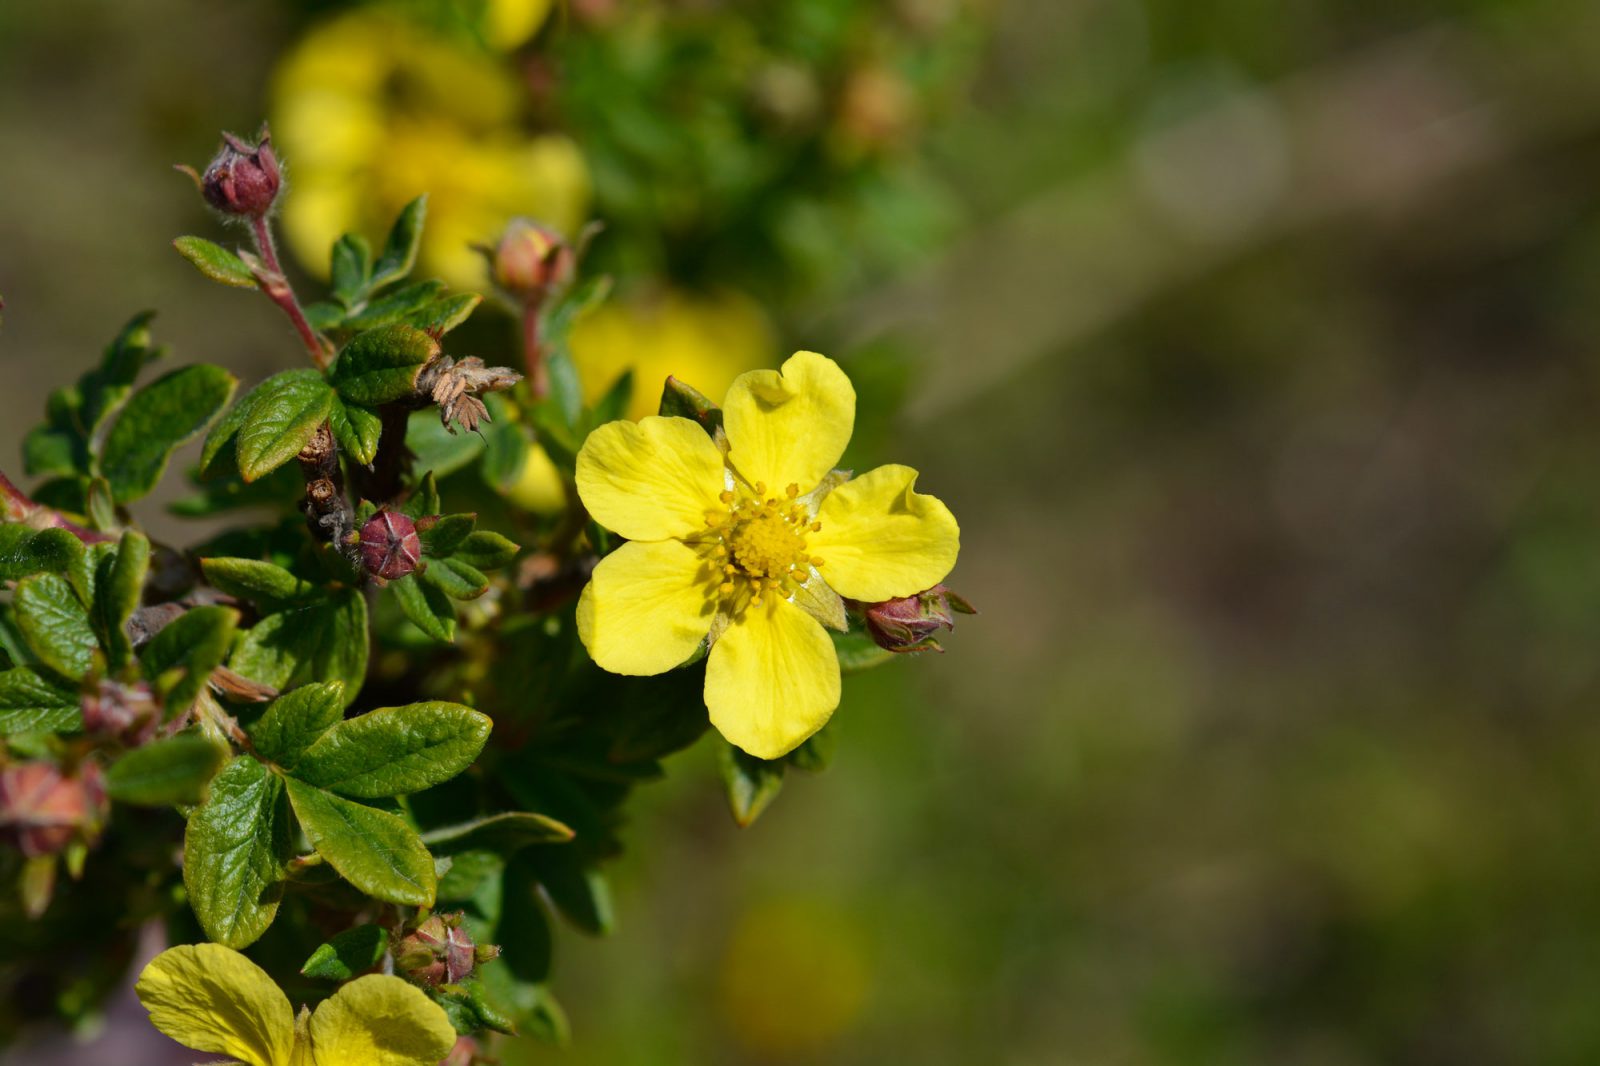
[751, 548]
[213, 999]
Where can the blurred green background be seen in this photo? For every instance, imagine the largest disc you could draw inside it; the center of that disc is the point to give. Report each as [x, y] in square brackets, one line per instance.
[1256, 345]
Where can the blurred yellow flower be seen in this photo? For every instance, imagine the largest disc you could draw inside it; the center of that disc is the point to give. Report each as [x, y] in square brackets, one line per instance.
[509, 23]
[704, 340]
[370, 111]
[213, 999]
[735, 547]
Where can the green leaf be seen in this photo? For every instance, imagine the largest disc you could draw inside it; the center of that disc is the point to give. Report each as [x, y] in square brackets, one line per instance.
[156, 420]
[24, 551]
[285, 411]
[234, 852]
[857, 651]
[100, 505]
[455, 579]
[502, 833]
[352, 952]
[179, 659]
[579, 892]
[444, 314]
[396, 306]
[428, 609]
[399, 253]
[682, 400]
[751, 783]
[216, 262]
[507, 450]
[424, 500]
[322, 641]
[485, 550]
[118, 593]
[395, 750]
[294, 721]
[55, 624]
[352, 263]
[254, 580]
[227, 428]
[523, 931]
[167, 773]
[372, 849]
[381, 365]
[33, 703]
[444, 535]
[435, 448]
[357, 430]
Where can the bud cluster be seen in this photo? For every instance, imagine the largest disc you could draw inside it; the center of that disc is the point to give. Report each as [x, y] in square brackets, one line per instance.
[909, 624]
[440, 951]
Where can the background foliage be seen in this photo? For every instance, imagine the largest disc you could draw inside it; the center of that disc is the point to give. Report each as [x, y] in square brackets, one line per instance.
[1256, 355]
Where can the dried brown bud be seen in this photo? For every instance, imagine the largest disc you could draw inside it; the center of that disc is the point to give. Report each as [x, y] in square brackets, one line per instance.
[454, 385]
[243, 178]
[42, 810]
[440, 951]
[909, 624]
[390, 547]
[126, 712]
[531, 260]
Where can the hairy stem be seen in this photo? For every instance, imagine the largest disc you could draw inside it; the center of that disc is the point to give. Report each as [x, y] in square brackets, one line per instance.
[533, 347]
[276, 286]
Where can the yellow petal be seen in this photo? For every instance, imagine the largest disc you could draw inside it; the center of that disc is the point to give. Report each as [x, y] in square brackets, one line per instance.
[652, 479]
[647, 607]
[380, 1020]
[772, 679]
[881, 540]
[789, 427]
[213, 999]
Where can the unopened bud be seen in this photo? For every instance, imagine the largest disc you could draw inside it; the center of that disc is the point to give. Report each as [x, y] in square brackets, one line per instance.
[440, 951]
[531, 260]
[390, 547]
[43, 810]
[243, 178]
[909, 623]
[125, 712]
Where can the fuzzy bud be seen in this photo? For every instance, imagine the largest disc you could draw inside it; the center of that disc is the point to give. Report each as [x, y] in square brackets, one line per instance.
[390, 547]
[42, 810]
[440, 952]
[531, 260]
[126, 712]
[243, 178]
[909, 623]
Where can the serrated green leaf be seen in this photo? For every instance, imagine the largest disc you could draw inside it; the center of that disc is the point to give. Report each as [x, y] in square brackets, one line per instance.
[24, 551]
[234, 852]
[394, 307]
[55, 624]
[381, 365]
[285, 411]
[294, 721]
[179, 659]
[167, 773]
[30, 702]
[751, 784]
[455, 578]
[357, 430]
[447, 533]
[485, 550]
[155, 421]
[372, 849]
[428, 609]
[322, 641]
[395, 750]
[254, 580]
[117, 594]
[216, 262]
[352, 265]
[352, 952]
[501, 833]
[399, 253]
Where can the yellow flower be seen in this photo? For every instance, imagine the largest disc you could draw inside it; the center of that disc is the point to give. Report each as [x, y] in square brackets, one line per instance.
[751, 548]
[371, 111]
[706, 340]
[213, 999]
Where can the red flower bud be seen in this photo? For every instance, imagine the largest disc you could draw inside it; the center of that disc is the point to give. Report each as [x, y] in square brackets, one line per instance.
[531, 259]
[390, 547]
[440, 951]
[42, 810]
[243, 178]
[909, 624]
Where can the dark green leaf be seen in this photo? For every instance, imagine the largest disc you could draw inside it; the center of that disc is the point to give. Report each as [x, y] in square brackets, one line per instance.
[395, 750]
[425, 500]
[507, 451]
[443, 537]
[523, 932]
[31, 702]
[502, 833]
[352, 952]
[294, 721]
[253, 579]
[216, 262]
[357, 430]
[167, 773]
[179, 659]
[751, 783]
[118, 594]
[24, 551]
[157, 419]
[396, 306]
[579, 892]
[352, 263]
[372, 849]
[455, 579]
[435, 448]
[857, 651]
[428, 609]
[322, 641]
[285, 410]
[400, 249]
[485, 550]
[444, 314]
[234, 852]
[381, 365]
[55, 624]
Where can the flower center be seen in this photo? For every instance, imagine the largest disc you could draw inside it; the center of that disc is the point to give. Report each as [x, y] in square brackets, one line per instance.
[760, 542]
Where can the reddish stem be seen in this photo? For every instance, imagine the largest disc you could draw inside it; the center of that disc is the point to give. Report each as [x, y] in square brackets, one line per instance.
[18, 508]
[533, 347]
[276, 286]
